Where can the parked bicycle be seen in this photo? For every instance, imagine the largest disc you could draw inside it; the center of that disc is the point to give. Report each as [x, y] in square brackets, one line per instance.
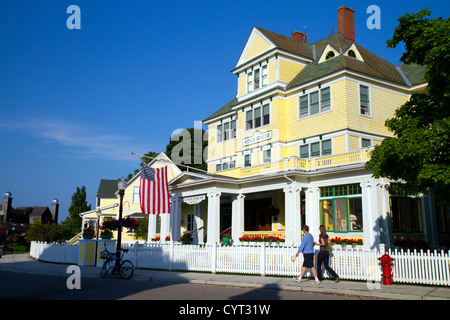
[124, 268]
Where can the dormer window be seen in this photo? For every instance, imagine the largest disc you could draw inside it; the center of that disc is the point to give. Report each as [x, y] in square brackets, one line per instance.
[351, 53]
[257, 78]
[330, 55]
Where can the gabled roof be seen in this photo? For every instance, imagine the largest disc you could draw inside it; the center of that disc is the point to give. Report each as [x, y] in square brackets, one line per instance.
[107, 188]
[373, 65]
[288, 44]
[224, 110]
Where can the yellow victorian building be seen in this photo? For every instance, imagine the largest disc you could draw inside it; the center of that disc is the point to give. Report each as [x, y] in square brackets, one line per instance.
[290, 147]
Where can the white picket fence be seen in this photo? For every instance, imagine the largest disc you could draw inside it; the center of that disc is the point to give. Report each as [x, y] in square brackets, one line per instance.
[430, 268]
[54, 252]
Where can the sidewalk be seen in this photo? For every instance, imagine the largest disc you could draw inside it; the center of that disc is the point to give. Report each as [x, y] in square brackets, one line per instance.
[24, 264]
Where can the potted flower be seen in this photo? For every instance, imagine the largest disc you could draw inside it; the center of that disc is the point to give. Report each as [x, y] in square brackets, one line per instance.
[88, 233]
[226, 237]
[111, 224]
[106, 234]
[130, 223]
[167, 238]
[186, 238]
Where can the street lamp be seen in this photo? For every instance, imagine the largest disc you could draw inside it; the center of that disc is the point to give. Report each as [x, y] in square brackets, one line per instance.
[121, 185]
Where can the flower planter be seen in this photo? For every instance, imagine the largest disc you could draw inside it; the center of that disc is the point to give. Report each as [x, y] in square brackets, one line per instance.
[88, 236]
[106, 236]
[226, 241]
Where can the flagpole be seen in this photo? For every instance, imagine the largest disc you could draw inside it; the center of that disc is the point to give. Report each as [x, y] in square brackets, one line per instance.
[162, 160]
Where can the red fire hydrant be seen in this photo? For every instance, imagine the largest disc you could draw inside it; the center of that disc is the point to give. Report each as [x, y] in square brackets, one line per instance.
[386, 263]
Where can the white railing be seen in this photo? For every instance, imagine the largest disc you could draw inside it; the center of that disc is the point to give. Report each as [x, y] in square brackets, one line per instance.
[430, 268]
[54, 252]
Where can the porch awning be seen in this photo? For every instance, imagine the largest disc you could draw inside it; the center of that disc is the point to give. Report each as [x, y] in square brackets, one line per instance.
[138, 215]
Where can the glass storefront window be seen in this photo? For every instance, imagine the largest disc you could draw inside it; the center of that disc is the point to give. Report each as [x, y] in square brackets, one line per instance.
[341, 211]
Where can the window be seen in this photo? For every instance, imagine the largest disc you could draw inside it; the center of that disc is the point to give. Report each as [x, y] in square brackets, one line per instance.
[266, 114]
[364, 100]
[330, 54]
[189, 222]
[267, 156]
[259, 116]
[226, 131]
[341, 208]
[226, 164]
[247, 160]
[257, 78]
[351, 53]
[250, 82]
[249, 120]
[326, 99]
[406, 211]
[365, 143]
[311, 104]
[136, 194]
[326, 147]
[264, 77]
[316, 149]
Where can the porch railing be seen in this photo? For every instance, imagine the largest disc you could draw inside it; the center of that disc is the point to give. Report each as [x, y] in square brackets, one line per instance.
[296, 163]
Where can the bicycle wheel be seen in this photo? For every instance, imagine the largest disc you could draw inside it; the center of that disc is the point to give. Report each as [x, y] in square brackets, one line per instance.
[126, 269]
[105, 268]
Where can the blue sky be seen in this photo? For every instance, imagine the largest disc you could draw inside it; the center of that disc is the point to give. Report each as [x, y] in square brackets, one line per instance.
[76, 103]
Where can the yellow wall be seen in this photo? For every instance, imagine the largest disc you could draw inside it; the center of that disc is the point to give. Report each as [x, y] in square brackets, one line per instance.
[288, 69]
[257, 46]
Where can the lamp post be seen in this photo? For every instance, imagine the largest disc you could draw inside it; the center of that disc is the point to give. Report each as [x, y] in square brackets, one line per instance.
[121, 185]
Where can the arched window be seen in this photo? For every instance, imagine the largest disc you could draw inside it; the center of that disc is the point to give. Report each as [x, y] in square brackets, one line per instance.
[352, 54]
[330, 54]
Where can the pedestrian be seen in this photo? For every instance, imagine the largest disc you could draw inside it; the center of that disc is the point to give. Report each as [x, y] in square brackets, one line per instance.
[307, 249]
[324, 255]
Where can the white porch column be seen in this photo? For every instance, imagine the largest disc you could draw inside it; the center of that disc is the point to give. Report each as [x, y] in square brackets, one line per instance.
[198, 223]
[175, 219]
[165, 225]
[237, 217]
[213, 229]
[371, 216]
[152, 222]
[312, 209]
[292, 213]
[386, 230]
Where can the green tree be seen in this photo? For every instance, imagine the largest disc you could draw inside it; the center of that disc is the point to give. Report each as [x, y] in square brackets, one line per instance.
[44, 232]
[71, 226]
[419, 155]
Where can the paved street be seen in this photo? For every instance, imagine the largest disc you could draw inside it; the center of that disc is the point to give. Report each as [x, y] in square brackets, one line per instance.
[46, 287]
[22, 277]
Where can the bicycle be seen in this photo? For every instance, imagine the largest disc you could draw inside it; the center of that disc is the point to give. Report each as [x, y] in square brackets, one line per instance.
[124, 268]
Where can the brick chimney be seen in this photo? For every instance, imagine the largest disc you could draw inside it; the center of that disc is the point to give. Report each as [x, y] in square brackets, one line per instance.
[346, 22]
[54, 210]
[300, 36]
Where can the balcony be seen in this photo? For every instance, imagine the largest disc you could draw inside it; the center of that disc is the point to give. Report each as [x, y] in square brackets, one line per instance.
[297, 164]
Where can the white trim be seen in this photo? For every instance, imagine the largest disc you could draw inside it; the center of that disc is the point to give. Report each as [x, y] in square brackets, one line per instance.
[355, 49]
[327, 49]
[249, 43]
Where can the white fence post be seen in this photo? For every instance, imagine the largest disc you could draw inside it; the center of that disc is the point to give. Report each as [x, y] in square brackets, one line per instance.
[214, 258]
[262, 260]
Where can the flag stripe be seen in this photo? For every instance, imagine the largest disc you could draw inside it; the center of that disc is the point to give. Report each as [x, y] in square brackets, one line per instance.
[154, 190]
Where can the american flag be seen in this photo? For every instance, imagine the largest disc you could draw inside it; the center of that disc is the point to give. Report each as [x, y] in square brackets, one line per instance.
[154, 190]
